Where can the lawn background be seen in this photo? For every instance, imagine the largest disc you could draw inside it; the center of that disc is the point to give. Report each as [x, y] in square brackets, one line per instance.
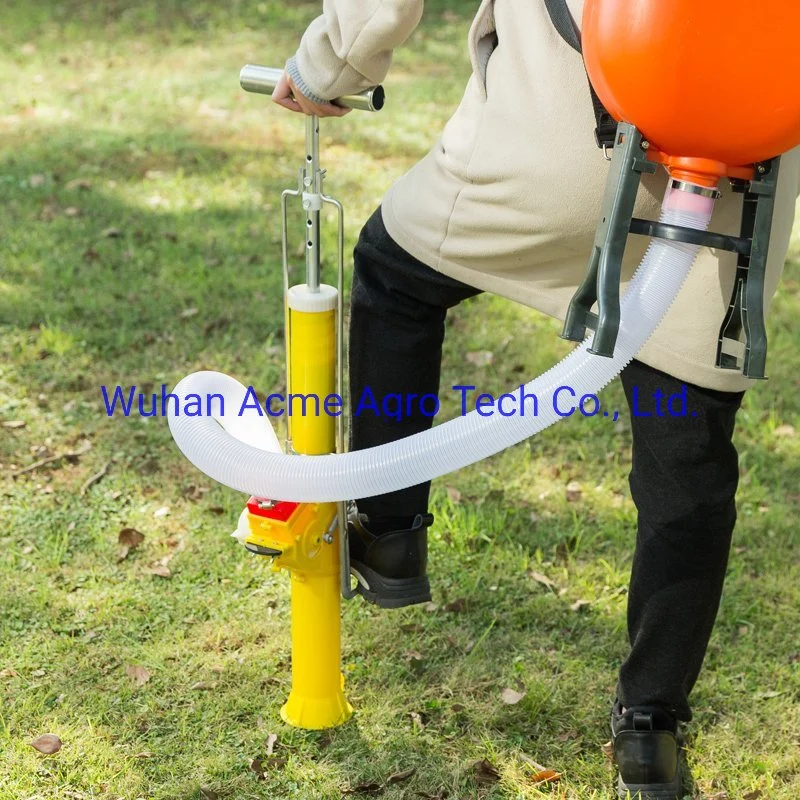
[139, 240]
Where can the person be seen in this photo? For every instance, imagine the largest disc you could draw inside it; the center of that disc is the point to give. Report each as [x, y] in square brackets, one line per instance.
[507, 201]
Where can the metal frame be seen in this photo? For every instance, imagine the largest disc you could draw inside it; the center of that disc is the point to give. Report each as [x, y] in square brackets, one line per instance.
[743, 327]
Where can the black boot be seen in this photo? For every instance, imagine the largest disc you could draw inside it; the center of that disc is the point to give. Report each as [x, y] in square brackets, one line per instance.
[390, 566]
[648, 753]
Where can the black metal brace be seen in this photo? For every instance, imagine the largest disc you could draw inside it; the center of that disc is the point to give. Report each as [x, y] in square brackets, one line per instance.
[745, 313]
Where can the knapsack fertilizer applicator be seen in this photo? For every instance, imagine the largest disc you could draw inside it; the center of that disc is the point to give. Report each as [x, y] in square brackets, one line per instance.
[636, 61]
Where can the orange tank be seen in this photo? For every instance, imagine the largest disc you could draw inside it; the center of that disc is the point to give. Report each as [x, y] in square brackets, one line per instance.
[711, 84]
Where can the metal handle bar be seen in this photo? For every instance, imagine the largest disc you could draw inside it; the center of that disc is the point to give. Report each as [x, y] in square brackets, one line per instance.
[262, 80]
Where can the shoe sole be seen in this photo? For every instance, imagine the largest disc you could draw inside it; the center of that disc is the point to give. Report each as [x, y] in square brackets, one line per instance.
[390, 592]
[650, 791]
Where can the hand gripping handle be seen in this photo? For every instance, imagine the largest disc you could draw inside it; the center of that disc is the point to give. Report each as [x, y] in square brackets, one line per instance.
[262, 80]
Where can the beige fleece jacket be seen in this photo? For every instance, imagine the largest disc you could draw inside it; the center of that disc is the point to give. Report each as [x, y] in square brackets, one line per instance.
[508, 198]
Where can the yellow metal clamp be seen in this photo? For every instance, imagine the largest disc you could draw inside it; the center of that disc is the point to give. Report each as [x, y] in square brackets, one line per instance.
[310, 539]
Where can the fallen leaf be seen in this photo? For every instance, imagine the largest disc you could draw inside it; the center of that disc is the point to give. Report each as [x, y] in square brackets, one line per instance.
[580, 605]
[79, 183]
[205, 686]
[216, 510]
[608, 750]
[144, 754]
[72, 211]
[417, 721]
[485, 771]
[480, 358]
[752, 795]
[47, 744]
[574, 492]
[160, 570]
[785, 431]
[111, 233]
[38, 673]
[161, 512]
[511, 697]
[412, 627]
[545, 776]
[271, 739]
[129, 539]
[543, 579]
[430, 607]
[137, 673]
[208, 794]
[767, 695]
[36, 180]
[365, 788]
[8, 673]
[718, 796]
[399, 777]
[416, 661]
[15, 423]
[189, 312]
[453, 494]
[456, 606]
[257, 767]
[441, 794]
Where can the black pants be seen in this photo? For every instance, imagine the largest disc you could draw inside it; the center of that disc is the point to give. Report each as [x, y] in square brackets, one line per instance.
[683, 478]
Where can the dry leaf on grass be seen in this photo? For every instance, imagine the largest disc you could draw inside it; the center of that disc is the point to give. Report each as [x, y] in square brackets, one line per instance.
[138, 674]
[257, 767]
[208, 794]
[129, 539]
[203, 686]
[485, 771]
[365, 788]
[543, 579]
[441, 794]
[545, 776]
[456, 606]
[161, 570]
[480, 358]
[608, 750]
[399, 777]
[79, 183]
[454, 495]
[47, 744]
[574, 492]
[271, 740]
[14, 423]
[111, 233]
[752, 795]
[785, 431]
[580, 605]
[511, 697]
[415, 660]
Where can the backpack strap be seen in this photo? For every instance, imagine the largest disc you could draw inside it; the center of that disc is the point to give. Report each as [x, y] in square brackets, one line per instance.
[606, 126]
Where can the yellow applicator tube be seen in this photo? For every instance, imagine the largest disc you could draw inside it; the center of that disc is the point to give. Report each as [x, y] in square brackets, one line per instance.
[317, 696]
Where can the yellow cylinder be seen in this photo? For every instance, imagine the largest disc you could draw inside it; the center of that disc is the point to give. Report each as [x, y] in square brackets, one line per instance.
[317, 696]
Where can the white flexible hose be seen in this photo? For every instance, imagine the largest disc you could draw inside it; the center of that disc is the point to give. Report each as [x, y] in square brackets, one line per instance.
[219, 446]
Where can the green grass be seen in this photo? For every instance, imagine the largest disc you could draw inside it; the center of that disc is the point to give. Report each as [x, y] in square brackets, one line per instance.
[127, 116]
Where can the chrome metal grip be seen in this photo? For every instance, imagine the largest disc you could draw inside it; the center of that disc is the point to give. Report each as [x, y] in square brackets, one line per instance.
[263, 80]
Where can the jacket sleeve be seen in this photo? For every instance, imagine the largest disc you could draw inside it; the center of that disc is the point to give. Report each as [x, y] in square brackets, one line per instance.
[349, 48]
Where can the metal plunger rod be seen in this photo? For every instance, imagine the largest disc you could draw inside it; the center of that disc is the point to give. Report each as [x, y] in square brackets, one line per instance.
[312, 201]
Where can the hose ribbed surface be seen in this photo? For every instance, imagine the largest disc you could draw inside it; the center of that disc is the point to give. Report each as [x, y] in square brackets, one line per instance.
[444, 448]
